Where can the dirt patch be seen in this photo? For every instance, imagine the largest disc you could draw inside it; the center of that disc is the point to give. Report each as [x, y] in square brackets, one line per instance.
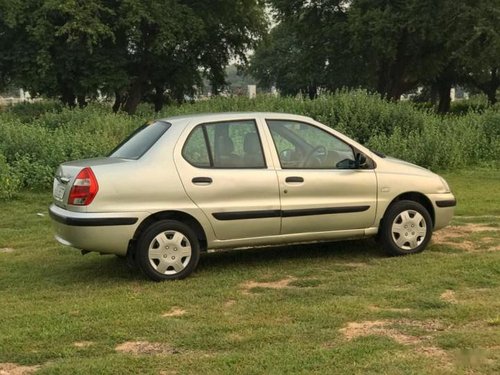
[389, 309]
[146, 348]
[488, 239]
[83, 344]
[494, 248]
[447, 235]
[7, 250]
[280, 284]
[15, 369]
[229, 303]
[384, 328]
[433, 351]
[175, 311]
[491, 241]
[449, 296]
[427, 325]
[377, 327]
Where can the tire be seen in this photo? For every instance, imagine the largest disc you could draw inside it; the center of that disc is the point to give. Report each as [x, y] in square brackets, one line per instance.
[167, 250]
[406, 228]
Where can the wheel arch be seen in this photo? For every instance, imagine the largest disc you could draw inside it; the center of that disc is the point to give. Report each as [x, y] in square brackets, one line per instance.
[415, 197]
[171, 215]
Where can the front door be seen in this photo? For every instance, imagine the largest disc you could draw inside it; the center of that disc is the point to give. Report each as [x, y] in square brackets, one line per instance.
[224, 171]
[321, 186]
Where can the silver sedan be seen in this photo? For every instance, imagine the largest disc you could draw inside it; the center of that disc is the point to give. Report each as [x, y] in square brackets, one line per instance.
[180, 186]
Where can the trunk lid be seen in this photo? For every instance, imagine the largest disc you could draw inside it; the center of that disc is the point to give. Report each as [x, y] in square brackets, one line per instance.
[67, 172]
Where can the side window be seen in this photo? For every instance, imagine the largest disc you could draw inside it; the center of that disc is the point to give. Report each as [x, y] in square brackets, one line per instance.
[195, 150]
[301, 145]
[234, 144]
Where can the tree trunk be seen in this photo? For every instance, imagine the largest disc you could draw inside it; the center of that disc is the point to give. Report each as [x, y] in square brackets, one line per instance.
[383, 80]
[215, 89]
[492, 95]
[159, 98]
[134, 97]
[396, 91]
[118, 101]
[434, 94]
[312, 91]
[444, 89]
[493, 86]
[68, 98]
[489, 87]
[82, 103]
[392, 79]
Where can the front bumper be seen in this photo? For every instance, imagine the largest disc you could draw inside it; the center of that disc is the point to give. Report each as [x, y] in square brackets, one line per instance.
[107, 233]
[444, 207]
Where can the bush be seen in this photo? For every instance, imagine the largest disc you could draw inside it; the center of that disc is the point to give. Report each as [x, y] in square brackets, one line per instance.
[27, 112]
[476, 103]
[34, 141]
[36, 148]
[446, 143]
[9, 181]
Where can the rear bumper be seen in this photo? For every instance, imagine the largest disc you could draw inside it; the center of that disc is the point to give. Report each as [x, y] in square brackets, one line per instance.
[108, 233]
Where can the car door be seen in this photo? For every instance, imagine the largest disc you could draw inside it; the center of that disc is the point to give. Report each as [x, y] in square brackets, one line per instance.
[224, 171]
[321, 186]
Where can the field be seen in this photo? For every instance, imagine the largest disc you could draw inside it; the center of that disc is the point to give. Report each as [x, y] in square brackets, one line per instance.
[341, 308]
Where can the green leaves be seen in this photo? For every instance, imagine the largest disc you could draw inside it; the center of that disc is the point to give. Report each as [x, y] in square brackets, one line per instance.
[132, 49]
[391, 47]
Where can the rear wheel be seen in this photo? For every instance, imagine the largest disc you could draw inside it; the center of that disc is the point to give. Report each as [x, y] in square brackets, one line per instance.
[168, 250]
[406, 228]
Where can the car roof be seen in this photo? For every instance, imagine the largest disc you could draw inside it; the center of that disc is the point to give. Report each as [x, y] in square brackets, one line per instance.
[225, 116]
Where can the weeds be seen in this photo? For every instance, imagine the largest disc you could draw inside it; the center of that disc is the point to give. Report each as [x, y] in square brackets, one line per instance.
[36, 138]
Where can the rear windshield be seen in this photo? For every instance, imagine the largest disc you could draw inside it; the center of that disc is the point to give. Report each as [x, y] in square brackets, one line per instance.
[140, 141]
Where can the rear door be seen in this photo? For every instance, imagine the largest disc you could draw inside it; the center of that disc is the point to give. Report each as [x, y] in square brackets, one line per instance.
[321, 187]
[224, 169]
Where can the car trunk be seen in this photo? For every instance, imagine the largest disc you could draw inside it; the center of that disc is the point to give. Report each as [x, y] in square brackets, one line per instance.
[67, 172]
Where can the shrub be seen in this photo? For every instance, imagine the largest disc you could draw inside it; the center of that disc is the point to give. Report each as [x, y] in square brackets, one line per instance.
[9, 181]
[27, 112]
[476, 103]
[34, 141]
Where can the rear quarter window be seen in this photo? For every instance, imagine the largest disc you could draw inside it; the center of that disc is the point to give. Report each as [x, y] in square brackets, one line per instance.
[140, 141]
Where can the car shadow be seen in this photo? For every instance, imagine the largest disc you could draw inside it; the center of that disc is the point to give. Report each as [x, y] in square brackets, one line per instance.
[340, 251]
[102, 269]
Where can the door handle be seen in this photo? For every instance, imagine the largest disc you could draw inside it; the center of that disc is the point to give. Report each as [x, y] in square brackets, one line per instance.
[294, 179]
[202, 180]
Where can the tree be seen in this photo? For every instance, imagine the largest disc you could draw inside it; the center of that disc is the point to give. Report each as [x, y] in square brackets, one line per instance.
[481, 53]
[389, 46]
[136, 49]
[279, 62]
[172, 43]
[305, 51]
[9, 13]
[56, 48]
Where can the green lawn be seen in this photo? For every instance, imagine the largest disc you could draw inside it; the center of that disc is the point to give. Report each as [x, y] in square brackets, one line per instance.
[340, 308]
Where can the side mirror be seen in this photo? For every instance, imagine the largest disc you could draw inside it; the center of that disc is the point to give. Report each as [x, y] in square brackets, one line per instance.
[360, 160]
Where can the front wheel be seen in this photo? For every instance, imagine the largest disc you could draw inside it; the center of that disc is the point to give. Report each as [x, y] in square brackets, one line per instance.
[406, 228]
[168, 250]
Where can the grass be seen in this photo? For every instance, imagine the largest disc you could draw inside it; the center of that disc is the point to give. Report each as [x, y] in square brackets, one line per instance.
[279, 310]
[479, 191]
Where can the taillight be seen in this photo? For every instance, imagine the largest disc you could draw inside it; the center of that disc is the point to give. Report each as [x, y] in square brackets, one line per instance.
[84, 188]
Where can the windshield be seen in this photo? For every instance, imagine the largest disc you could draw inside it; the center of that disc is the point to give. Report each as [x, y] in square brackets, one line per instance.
[140, 141]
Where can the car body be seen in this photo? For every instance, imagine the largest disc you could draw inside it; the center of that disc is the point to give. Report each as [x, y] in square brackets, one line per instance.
[231, 180]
